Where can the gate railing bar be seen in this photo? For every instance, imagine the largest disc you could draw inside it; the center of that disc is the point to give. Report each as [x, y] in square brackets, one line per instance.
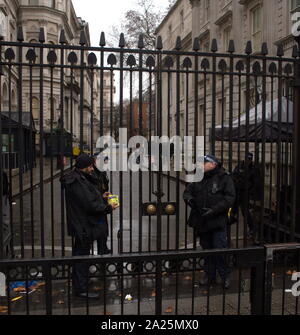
[140, 132]
[245, 258]
[159, 179]
[231, 50]
[51, 159]
[178, 133]
[296, 142]
[1, 176]
[263, 149]
[121, 111]
[41, 135]
[131, 258]
[259, 259]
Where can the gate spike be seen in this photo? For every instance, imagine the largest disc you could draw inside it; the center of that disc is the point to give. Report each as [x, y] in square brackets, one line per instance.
[20, 35]
[122, 41]
[141, 44]
[62, 38]
[214, 45]
[280, 51]
[231, 47]
[248, 50]
[159, 43]
[295, 51]
[264, 49]
[196, 46]
[178, 43]
[102, 39]
[42, 38]
[82, 40]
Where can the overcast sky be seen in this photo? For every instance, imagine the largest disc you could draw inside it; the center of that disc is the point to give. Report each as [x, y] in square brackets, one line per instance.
[102, 14]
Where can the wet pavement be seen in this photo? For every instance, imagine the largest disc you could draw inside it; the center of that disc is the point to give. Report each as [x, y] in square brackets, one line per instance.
[181, 299]
[116, 290]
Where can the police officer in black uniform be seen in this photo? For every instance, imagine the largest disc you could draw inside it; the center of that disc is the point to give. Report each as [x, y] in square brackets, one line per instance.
[210, 201]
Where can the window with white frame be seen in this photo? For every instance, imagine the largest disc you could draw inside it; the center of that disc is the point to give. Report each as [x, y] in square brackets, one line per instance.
[256, 15]
[295, 4]
[226, 38]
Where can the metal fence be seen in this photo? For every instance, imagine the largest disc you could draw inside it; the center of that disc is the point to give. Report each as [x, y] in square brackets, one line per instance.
[240, 103]
[158, 283]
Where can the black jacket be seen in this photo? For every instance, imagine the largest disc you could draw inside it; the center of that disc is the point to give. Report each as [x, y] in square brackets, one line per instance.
[248, 184]
[217, 192]
[102, 179]
[85, 206]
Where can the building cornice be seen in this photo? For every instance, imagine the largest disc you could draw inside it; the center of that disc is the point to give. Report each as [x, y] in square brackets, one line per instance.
[56, 12]
[224, 18]
[247, 2]
[286, 41]
[204, 34]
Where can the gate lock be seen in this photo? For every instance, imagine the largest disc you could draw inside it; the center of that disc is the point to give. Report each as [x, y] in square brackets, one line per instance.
[153, 208]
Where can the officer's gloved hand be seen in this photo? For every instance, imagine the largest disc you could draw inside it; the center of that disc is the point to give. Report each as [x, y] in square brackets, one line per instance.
[207, 213]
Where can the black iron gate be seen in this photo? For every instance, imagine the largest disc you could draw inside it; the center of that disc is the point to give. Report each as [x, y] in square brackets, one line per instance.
[239, 104]
[264, 282]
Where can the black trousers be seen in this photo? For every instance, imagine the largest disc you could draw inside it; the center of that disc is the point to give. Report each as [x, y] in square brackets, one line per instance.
[215, 240]
[80, 274]
[102, 241]
[102, 245]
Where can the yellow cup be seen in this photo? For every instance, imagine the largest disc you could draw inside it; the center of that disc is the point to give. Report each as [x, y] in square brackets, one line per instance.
[114, 199]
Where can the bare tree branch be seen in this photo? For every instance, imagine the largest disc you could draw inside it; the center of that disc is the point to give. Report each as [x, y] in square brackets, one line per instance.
[143, 20]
